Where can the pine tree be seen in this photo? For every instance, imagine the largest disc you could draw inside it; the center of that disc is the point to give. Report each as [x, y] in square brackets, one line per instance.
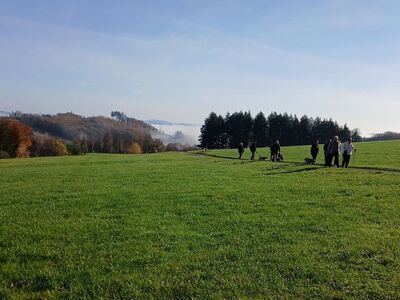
[260, 130]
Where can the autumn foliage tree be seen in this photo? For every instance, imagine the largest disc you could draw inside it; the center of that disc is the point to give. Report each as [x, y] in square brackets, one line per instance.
[45, 145]
[15, 138]
[136, 149]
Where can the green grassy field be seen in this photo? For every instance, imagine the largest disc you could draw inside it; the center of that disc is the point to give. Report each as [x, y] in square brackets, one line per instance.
[371, 154]
[178, 225]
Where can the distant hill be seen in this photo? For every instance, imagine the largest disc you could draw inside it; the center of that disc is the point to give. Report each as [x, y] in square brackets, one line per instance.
[4, 113]
[69, 133]
[73, 127]
[70, 126]
[163, 122]
[386, 136]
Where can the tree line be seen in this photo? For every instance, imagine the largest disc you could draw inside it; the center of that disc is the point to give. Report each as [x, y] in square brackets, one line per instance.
[220, 132]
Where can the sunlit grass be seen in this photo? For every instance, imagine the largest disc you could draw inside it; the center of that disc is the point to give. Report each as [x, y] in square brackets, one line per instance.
[179, 225]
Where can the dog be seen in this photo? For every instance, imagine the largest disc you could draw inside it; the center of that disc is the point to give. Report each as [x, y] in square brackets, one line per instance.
[263, 158]
[309, 161]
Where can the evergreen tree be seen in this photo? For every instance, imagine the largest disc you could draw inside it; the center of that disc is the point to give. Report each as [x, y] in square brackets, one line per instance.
[274, 126]
[240, 127]
[355, 134]
[295, 134]
[344, 132]
[260, 130]
[211, 132]
[305, 131]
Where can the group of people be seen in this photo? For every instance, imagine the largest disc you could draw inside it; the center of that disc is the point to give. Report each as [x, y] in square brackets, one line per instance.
[275, 150]
[333, 149]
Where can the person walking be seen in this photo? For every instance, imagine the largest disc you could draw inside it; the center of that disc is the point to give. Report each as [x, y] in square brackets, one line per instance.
[240, 150]
[335, 151]
[315, 150]
[275, 150]
[327, 153]
[348, 149]
[253, 150]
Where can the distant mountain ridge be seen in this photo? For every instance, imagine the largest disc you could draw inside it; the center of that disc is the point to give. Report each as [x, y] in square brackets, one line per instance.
[163, 122]
[70, 126]
[385, 136]
[4, 113]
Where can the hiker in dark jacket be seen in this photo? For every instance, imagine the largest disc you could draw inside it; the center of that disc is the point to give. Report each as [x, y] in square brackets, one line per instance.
[253, 150]
[326, 152]
[240, 150]
[315, 150]
[275, 150]
[333, 152]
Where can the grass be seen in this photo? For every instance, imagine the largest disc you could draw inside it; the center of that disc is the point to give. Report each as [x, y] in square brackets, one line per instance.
[371, 154]
[177, 225]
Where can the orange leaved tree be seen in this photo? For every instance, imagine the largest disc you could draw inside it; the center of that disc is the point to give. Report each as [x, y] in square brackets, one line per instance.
[136, 149]
[15, 138]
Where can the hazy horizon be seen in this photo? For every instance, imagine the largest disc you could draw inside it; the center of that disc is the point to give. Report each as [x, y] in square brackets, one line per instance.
[180, 60]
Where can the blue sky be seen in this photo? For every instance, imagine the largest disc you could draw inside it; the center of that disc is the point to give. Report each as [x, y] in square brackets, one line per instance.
[179, 60]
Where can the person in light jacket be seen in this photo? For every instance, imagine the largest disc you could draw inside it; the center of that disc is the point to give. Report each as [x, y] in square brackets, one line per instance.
[347, 150]
[335, 150]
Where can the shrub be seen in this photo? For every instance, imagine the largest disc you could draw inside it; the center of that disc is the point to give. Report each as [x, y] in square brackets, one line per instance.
[60, 148]
[136, 149]
[147, 144]
[180, 147]
[159, 146]
[174, 147]
[4, 154]
[75, 149]
[45, 145]
[22, 150]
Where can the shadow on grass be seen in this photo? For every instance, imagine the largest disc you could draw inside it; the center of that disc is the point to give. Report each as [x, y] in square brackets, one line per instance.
[214, 155]
[271, 172]
[375, 170]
